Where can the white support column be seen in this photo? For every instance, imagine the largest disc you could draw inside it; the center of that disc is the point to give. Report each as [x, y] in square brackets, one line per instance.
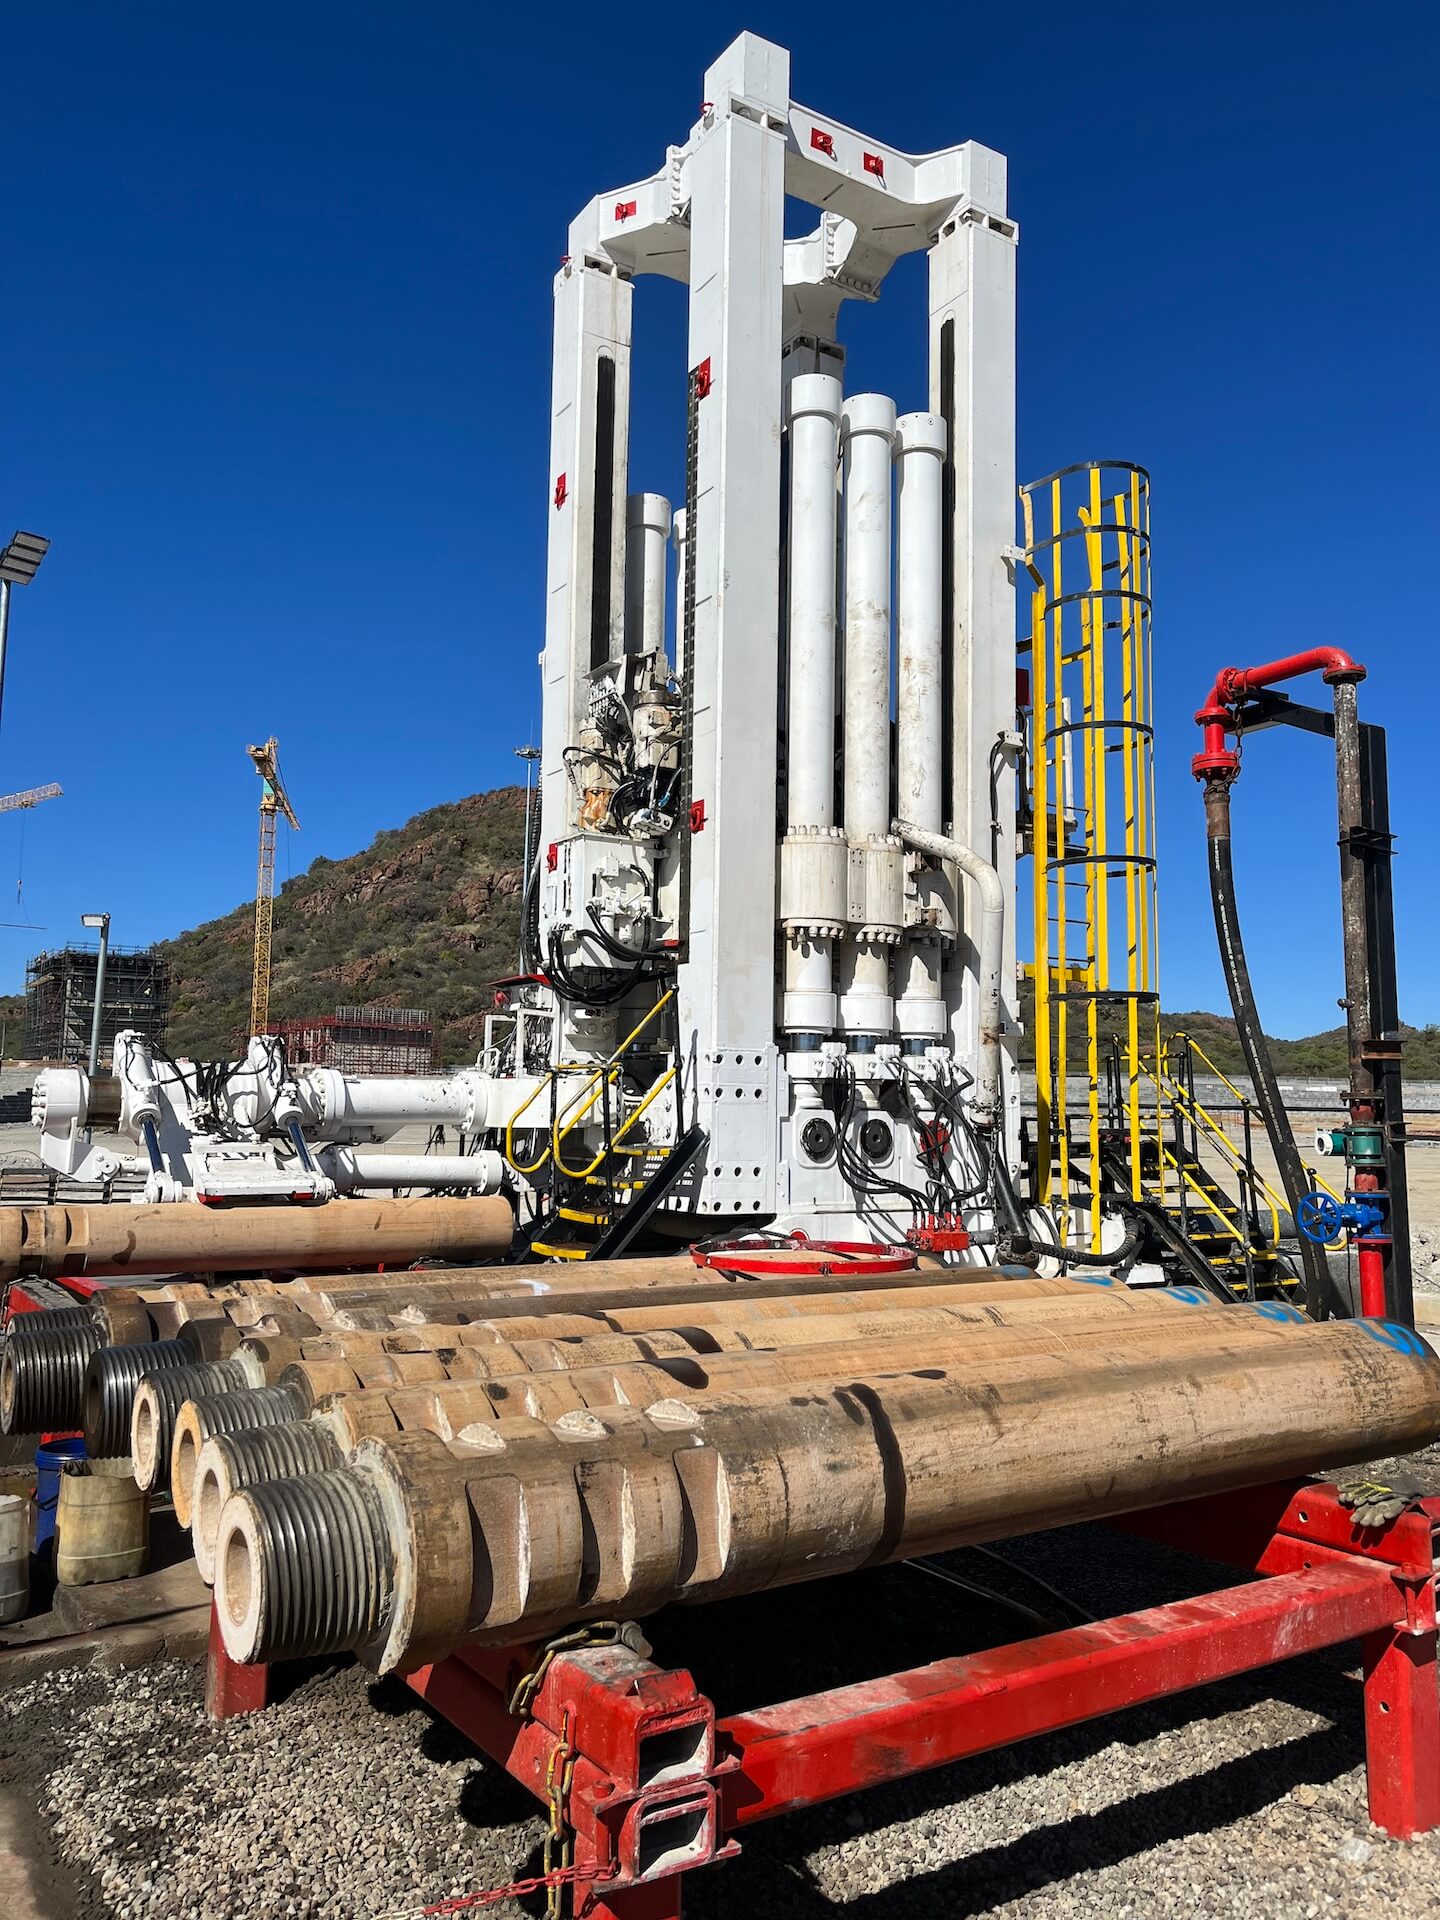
[972, 385]
[647, 535]
[920, 446]
[585, 588]
[737, 184]
[867, 1008]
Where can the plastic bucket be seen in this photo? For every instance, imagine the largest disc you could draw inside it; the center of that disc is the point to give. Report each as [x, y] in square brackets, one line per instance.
[15, 1517]
[49, 1460]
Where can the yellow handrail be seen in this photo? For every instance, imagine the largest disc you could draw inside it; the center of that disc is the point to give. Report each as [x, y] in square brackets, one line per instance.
[1181, 1096]
[533, 1166]
[600, 1079]
[581, 1173]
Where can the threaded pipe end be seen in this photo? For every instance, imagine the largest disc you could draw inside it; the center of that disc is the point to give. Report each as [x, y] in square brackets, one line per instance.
[206, 1415]
[230, 1462]
[42, 1378]
[111, 1378]
[158, 1399]
[303, 1567]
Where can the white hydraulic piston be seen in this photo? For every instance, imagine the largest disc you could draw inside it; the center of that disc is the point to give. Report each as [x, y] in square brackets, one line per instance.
[647, 532]
[920, 443]
[812, 882]
[867, 1008]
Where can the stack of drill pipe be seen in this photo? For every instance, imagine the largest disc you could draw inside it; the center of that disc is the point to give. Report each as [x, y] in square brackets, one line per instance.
[548, 1381]
[415, 1546]
[350, 1361]
[72, 1240]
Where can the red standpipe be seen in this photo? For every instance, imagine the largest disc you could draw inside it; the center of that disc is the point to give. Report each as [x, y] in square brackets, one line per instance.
[1232, 684]
[1371, 1259]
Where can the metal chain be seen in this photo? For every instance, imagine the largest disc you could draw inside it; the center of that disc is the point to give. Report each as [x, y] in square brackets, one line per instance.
[599, 1633]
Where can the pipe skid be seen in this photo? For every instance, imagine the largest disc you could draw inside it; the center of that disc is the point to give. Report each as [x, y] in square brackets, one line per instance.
[521, 1527]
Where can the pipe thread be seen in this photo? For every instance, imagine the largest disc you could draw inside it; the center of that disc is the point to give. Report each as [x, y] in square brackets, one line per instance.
[238, 1413]
[170, 1388]
[325, 1563]
[111, 1379]
[42, 1378]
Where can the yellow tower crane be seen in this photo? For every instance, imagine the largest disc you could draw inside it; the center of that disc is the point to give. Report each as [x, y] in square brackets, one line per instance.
[273, 800]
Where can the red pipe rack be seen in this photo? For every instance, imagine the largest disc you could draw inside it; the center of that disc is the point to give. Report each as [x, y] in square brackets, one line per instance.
[654, 1785]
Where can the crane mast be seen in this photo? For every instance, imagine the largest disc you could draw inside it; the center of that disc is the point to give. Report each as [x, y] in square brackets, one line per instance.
[273, 801]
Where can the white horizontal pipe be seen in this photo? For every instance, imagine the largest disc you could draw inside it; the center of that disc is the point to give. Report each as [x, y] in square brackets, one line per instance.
[377, 1105]
[647, 531]
[349, 1170]
[990, 947]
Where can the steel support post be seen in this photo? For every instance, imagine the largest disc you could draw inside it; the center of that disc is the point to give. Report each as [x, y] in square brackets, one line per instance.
[972, 387]
[727, 983]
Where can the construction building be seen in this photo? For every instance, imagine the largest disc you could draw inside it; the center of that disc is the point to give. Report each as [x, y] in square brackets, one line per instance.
[369, 1040]
[60, 1001]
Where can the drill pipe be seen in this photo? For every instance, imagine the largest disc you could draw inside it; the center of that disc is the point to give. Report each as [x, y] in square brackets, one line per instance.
[208, 1415]
[158, 1398]
[617, 1368]
[477, 1299]
[451, 1408]
[413, 1548]
[229, 1462]
[331, 1364]
[57, 1240]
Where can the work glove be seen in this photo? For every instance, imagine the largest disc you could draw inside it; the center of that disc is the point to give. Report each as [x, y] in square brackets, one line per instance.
[1374, 1503]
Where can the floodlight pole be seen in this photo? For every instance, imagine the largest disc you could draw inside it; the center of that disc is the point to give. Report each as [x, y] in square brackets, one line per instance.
[100, 958]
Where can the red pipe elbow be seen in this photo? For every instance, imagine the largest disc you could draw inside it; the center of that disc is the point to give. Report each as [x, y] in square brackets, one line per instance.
[1216, 760]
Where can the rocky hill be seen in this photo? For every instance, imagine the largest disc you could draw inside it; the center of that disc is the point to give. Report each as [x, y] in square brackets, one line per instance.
[426, 916]
[429, 914]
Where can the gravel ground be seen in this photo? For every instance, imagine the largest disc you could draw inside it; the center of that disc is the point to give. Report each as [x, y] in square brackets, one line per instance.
[348, 1801]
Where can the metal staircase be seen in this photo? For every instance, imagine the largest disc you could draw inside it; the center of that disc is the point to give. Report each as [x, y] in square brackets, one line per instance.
[600, 1196]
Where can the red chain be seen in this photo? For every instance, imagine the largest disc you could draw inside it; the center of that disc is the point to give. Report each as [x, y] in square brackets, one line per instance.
[561, 1877]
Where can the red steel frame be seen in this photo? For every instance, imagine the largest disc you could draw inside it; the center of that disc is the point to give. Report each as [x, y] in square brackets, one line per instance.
[656, 1784]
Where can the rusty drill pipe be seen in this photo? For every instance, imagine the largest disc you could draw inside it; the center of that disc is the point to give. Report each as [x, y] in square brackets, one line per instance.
[52, 1241]
[447, 1408]
[361, 1393]
[659, 1283]
[206, 1416]
[535, 1528]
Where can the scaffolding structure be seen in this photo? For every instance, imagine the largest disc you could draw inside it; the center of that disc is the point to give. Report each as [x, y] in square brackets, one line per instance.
[379, 1040]
[60, 1001]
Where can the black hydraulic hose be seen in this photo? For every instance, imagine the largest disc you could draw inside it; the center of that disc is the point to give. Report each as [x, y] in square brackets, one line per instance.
[1028, 1249]
[1252, 1038]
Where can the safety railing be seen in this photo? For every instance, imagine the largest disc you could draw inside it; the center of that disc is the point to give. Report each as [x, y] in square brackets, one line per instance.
[602, 1078]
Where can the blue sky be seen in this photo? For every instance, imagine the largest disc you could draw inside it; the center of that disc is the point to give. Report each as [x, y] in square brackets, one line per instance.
[276, 323]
